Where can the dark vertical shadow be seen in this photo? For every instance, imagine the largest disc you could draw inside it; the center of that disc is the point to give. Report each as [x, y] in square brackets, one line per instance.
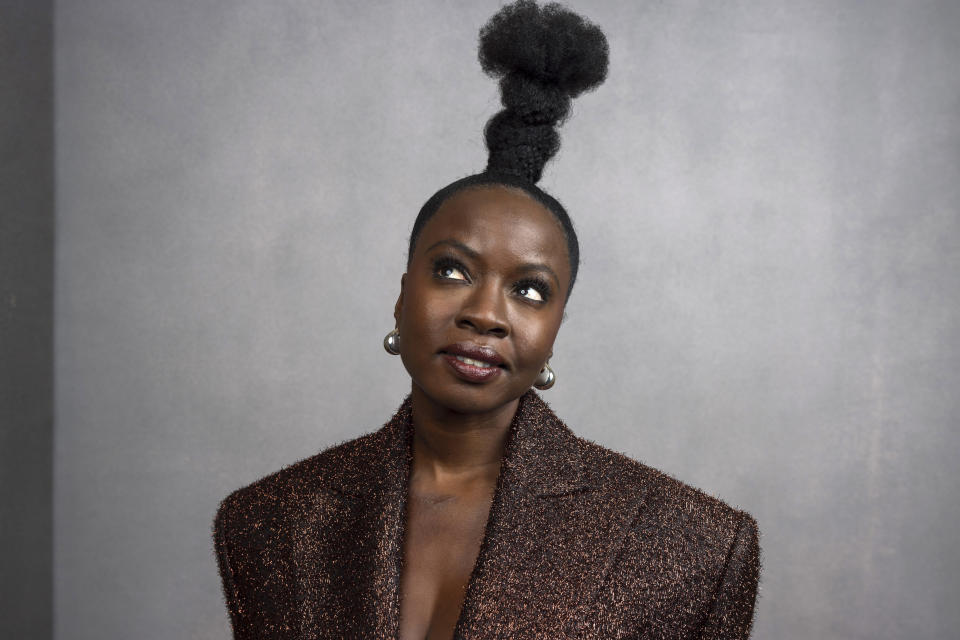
[26, 318]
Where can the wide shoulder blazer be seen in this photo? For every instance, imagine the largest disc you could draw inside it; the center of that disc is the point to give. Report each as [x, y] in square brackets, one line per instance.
[581, 542]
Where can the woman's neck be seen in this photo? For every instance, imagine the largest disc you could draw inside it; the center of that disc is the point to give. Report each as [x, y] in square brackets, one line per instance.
[451, 449]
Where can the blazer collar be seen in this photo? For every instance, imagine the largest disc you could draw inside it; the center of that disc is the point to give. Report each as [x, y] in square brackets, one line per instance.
[541, 454]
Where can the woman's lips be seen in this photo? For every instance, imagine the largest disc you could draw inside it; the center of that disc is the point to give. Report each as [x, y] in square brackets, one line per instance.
[472, 370]
[473, 362]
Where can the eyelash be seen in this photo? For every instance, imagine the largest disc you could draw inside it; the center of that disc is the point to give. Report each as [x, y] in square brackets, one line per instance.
[537, 284]
[446, 262]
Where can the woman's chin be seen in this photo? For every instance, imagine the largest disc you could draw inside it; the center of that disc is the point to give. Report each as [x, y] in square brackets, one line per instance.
[466, 398]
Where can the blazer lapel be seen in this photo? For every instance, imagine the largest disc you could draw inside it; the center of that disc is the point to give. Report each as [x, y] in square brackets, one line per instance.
[349, 553]
[551, 536]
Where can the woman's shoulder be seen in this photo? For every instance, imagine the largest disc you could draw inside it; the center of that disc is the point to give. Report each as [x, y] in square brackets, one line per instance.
[666, 501]
[569, 460]
[702, 554]
[284, 493]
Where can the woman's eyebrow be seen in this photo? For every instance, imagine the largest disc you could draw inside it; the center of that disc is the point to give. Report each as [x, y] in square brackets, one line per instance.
[456, 245]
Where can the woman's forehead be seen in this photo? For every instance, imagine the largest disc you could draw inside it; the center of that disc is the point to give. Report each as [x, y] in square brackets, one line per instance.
[496, 219]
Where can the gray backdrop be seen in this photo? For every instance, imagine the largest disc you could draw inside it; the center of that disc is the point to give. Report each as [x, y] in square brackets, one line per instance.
[767, 197]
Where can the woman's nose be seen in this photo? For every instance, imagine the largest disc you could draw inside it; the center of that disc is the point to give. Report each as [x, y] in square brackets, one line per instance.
[484, 311]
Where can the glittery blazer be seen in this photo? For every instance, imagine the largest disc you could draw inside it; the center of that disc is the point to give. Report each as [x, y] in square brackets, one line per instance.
[581, 542]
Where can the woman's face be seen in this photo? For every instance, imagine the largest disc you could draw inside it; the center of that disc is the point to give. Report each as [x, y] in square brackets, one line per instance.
[482, 299]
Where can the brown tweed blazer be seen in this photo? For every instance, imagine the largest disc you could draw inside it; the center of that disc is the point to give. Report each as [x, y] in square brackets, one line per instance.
[581, 542]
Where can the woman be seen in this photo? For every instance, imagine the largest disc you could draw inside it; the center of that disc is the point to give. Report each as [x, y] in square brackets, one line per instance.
[475, 512]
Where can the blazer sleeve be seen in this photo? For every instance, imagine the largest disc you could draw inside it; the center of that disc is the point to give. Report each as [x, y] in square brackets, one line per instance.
[731, 612]
[224, 553]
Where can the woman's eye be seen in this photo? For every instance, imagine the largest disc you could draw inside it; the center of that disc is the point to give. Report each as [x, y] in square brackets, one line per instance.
[530, 293]
[451, 273]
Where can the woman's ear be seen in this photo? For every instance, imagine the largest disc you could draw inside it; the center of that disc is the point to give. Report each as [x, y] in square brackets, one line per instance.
[399, 305]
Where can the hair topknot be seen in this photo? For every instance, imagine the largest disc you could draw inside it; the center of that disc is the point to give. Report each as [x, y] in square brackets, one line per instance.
[544, 56]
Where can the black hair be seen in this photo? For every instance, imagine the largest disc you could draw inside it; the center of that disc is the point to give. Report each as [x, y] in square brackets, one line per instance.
[544, 57]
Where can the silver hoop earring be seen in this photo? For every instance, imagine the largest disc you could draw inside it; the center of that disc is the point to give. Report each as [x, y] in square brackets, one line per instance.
[546, 378]
[392, 342]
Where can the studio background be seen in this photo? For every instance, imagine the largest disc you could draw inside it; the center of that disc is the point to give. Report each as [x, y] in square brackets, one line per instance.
[768, 306]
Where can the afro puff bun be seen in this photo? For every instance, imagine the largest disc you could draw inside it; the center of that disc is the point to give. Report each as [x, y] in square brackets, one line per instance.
[544, 57]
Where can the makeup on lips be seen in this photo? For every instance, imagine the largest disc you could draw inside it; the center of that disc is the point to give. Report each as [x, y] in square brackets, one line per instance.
[472, 362]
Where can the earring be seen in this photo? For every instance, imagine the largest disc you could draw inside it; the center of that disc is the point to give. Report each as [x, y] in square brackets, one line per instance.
[392, 342]
[546, 378]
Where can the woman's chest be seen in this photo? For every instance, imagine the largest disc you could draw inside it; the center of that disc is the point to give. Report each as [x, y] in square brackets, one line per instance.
[441, 544]
[559, 566]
